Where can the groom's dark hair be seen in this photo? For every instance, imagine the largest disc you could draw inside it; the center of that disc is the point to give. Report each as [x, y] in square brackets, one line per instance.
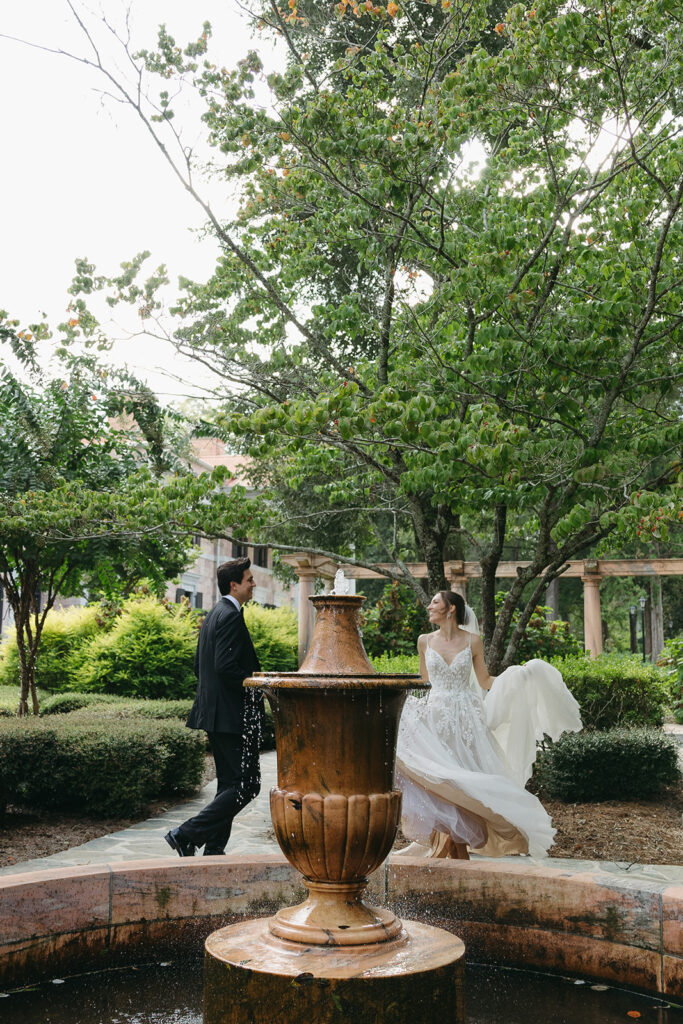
[231, 572]
[457, 602]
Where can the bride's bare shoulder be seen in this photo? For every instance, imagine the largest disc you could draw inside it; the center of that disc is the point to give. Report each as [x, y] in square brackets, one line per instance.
[422, 641]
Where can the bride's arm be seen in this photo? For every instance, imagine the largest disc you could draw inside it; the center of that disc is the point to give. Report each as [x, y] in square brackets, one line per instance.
[480, 670]
[421, 648]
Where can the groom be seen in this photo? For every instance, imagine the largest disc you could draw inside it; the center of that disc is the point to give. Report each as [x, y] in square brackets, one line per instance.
[231, 715]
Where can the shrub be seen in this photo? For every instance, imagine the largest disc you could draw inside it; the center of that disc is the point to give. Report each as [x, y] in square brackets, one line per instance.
[96, 767]
[396, 664]
[671, 660]
[64, 703]
[149, 652]
[275, 635]
[110, 708]
[618, 764]
[616, 690]
[393, 625]
[64, 636]
[9, 700]
[546, 638]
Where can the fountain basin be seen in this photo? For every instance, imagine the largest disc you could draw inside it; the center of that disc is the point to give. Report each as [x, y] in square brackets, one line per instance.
[577, 920]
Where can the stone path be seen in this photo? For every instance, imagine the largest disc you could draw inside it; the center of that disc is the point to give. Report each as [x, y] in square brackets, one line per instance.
[252, 833]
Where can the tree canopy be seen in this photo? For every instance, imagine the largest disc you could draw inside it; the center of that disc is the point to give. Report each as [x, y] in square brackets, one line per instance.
[450, 295]
[91, 495]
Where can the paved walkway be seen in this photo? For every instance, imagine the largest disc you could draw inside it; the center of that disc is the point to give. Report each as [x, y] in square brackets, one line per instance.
[252, 833]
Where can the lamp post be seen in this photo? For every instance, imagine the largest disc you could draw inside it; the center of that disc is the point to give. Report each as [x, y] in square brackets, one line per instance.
[642, 602]
[633, 628]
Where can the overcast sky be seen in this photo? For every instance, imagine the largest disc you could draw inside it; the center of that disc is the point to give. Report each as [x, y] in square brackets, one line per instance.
[80, 177]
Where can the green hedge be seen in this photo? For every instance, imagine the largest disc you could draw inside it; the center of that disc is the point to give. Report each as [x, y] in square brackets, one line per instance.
[396, 664]
[97, 767]
[618, 764]
[149, 652]
[61, 650]
[671, 660]
[64, 703]
[106, 707]
[616, 690]
[275, 635]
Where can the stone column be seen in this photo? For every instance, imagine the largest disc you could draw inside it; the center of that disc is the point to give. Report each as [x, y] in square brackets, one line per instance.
[455, 573]
[592, 618]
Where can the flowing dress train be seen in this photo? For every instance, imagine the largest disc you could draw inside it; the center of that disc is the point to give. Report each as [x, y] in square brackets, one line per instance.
[462, 762]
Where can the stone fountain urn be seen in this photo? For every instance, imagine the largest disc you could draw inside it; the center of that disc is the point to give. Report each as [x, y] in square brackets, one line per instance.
[335, 809]
[334, 957]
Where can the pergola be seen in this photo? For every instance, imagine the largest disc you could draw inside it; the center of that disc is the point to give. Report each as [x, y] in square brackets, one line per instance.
[591, 571]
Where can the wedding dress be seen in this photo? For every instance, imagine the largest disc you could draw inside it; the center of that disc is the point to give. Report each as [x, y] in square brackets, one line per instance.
[462, 761]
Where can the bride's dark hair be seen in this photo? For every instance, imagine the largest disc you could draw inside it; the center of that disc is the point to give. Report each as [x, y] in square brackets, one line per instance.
[455, 601]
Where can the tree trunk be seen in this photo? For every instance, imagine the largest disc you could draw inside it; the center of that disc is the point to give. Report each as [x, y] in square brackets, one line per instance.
[431, 540]
[489, 565]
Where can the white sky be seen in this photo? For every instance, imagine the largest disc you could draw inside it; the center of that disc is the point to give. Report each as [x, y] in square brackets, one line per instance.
[80, 177]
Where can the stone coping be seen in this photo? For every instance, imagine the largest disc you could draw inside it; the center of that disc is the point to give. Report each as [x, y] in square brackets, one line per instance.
[614, 928]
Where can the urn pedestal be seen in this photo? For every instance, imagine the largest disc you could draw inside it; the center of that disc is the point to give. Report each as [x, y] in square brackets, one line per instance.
[335, 812]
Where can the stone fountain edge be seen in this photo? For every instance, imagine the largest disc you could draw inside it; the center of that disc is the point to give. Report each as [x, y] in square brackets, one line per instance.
[582, 922]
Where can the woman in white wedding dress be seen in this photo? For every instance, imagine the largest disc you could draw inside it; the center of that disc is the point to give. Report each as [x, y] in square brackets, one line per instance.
[462, 761]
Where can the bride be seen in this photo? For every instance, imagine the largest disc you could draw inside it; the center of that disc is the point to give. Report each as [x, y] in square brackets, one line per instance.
[462, 761]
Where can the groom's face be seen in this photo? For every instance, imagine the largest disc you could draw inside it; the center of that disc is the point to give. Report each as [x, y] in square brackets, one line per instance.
[245, 588]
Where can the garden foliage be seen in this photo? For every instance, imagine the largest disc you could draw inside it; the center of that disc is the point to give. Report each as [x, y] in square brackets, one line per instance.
[97, 767]
[616, 690]
[61, 650]
[394, 623]
[617, 764]
[149, 652]
[671, 660]
[275, 635]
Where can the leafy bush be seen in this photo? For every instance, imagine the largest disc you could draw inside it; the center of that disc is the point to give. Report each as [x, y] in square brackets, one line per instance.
[61, 650]
[396, 664]
[618, 764]
[275, 635]
[149, 652]
[393, 625]
[9, 700]
[671, 660]
[64, 703]
[616, 690]
[104, 707]
[97, 767]
[546, 638]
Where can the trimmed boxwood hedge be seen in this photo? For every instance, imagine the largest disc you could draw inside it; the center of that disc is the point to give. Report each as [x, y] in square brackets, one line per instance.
[615, 764]
[97, 766]
[616, 690]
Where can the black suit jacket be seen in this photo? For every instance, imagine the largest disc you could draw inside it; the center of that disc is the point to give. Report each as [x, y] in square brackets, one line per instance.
[225, 657]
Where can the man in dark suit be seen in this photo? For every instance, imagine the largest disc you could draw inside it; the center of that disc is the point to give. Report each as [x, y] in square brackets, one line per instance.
[231, 715]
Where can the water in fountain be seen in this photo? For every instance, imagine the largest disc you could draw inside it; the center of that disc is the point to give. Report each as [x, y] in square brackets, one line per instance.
[171, 993]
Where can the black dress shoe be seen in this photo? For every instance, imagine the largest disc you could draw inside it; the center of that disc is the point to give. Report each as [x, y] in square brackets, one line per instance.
[183, 847]
[213, 852]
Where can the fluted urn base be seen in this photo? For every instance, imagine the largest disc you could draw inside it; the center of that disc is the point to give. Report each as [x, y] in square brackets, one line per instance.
[335, 915]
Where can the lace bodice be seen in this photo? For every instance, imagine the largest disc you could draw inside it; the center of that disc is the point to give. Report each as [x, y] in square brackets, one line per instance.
[445, 676]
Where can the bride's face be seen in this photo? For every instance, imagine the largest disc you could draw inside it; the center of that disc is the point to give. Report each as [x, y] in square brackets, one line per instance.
[437, 609]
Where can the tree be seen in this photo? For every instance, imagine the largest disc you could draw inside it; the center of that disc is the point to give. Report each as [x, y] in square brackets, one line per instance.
[501, 363]
[81, 496]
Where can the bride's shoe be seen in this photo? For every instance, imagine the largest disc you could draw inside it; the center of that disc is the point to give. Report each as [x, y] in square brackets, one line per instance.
[414, 850]
[443, 847]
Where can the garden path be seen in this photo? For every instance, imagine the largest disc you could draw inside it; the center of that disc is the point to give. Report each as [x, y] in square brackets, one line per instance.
[252, 833]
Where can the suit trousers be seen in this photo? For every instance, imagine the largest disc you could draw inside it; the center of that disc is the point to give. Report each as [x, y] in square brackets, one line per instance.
[239, 780]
